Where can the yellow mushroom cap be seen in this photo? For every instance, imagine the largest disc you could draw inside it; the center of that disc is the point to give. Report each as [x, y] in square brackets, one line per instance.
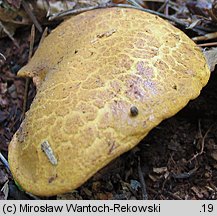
[105, 78]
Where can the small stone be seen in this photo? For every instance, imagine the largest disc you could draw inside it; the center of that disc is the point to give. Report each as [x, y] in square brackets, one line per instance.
[134, 111]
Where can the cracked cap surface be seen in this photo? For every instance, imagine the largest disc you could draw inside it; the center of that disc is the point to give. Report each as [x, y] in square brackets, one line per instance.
[105, 78]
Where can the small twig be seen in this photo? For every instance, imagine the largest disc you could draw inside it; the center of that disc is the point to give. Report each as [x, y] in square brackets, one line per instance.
[9, 34]
[133, 2]
[202, 142]
[207, 44]
[32, 39]
[31, 15]
[32, 196]
[166, 9]
[165, 181]
[205, 37]
[185, 175]
[142, 181]
[49, 8]
[73, 12]
[1, 55]
[163, 6]
[4, 161]
[80, 10]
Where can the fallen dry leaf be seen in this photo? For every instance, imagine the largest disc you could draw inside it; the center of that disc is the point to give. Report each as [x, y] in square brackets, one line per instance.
[211, 57]
[214, 155]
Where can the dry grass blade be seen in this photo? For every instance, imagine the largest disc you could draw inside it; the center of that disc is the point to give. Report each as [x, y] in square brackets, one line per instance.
[5, 190]
[32, 39]
[45, 33]
[31, 15]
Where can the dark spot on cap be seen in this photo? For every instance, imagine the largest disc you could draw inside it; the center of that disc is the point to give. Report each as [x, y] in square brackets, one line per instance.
[134, 111]
[52, 178]
[175, 87]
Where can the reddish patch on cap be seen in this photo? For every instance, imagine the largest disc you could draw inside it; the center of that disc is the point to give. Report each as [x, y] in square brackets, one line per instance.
[144, 71]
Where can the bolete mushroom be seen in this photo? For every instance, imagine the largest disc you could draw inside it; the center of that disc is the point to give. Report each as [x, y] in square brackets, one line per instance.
[104, 79]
